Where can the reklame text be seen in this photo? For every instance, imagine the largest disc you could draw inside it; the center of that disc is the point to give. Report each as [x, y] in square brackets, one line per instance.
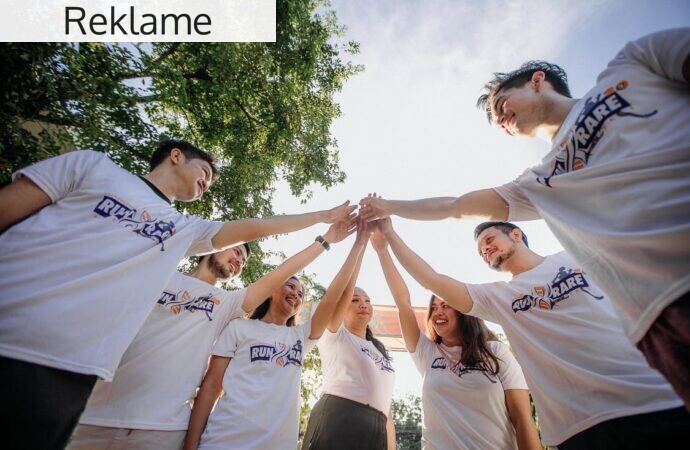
[130, 23]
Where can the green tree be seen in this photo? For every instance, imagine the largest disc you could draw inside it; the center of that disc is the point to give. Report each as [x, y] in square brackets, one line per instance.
[263, 109]
[407, 418]
[312, 376]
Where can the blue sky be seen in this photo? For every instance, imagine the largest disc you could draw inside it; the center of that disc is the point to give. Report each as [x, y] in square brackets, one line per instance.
[409, 128]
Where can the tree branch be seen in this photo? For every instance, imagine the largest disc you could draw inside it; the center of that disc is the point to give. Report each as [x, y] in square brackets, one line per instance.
[249, 116]
[172, 49]
[132, 150]
[148, 98]
[199, 75]
[57, 121]
[147, 73]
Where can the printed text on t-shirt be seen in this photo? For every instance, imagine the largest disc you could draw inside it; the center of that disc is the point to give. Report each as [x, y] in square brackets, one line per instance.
[548, 296]
[577, 146]
[283, 354]
[157, 230]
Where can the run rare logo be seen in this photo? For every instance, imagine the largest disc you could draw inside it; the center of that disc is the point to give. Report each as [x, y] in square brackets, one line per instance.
[280, 353]
[157, 230]
[560, 288]
[183, 301]
[577, 146]
[458, 369]
[379, 360]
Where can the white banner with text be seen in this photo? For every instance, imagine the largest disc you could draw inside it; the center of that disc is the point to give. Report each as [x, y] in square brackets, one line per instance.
[138, 21]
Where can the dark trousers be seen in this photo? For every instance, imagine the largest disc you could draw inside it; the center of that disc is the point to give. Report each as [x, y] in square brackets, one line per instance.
[336, 423]
[656, 430]
[667, 346]
[40, 406]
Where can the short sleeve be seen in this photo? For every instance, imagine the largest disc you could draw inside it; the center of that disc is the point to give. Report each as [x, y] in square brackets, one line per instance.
[520, 208]
[234, 299]
[420, 356]
[482, 303]
[60, 175]
[662, 53]
[227, 342]
[204, 231]
[305, 331]
[328, 339]
[509, 371]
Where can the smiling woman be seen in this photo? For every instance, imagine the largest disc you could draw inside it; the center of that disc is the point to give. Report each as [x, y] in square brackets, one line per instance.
[265, 351]
[474, 394]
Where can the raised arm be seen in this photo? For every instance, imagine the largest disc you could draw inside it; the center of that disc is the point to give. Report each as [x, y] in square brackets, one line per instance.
[209, 392]
[20, 199]
[334, 293]
[244, 230]
[338, 315]
[398, 288]
[264, 286]
[484, 204]
[451, 290]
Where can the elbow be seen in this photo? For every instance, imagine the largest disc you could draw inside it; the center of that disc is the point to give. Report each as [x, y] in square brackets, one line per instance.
[428, 282]
[456, 207]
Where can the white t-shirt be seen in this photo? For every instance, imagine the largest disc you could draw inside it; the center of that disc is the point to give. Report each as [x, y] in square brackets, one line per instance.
[260, 406]
[615, 188]
[159, 373]
[465, 407]
[353, 368]
[579, 366]
[81, 275]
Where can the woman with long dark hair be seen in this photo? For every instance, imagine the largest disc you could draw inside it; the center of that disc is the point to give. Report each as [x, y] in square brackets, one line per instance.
[474, 395]
[354, 410]
[258, 364]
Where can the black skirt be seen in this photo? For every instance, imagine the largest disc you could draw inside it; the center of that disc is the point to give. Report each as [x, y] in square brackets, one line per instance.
[336, 423]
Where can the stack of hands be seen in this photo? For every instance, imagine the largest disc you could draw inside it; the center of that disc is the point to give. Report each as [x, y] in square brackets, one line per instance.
[371, 221]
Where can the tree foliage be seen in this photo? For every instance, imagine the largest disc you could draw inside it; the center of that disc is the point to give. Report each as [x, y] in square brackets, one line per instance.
[263, 109]
[312, 376]
[407, 418]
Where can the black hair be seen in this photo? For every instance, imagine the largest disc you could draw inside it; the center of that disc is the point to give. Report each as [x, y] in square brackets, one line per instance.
[261, 310]
[555, 75]
[190, 151]
[369, 336]
[505, 227]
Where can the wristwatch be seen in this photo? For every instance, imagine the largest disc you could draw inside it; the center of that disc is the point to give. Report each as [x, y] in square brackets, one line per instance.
[323, 242]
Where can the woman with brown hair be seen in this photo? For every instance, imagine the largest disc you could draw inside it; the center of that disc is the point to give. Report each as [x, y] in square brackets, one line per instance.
[474, 395]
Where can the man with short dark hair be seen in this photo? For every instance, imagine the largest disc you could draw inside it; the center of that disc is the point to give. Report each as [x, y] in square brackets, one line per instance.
[614, 189]
[190, 151]
[148, 403]
[87, 249]
[592, 389]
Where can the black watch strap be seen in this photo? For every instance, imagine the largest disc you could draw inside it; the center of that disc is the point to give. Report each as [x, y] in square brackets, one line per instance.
[323, 242]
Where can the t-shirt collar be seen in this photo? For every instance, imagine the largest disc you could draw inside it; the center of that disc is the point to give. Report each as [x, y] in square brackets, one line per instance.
[155, 189]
